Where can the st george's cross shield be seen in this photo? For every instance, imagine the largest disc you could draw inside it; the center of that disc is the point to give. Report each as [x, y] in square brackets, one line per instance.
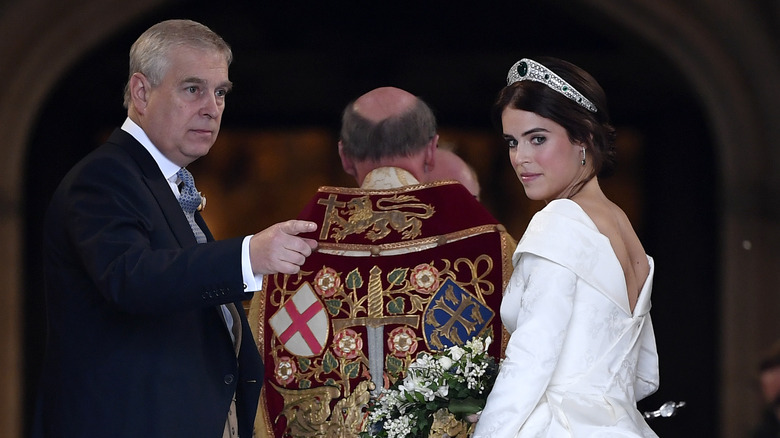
[301, 323]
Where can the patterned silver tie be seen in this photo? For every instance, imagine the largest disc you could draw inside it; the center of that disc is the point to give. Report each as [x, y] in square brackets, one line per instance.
[189, 200]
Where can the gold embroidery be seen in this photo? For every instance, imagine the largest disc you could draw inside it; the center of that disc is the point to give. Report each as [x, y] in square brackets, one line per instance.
[363, 191]
[375, 293]
[392, 213]
[352, 300]
[417, 245]
[445, 424]
[349, 413]
[308, 411]
[481, 286]
[331, 205]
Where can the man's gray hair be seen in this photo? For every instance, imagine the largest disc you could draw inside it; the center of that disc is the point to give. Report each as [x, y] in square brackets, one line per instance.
[400, 135]
[150, 54]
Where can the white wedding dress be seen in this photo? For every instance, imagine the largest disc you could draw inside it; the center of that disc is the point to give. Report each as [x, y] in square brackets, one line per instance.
[578, 359]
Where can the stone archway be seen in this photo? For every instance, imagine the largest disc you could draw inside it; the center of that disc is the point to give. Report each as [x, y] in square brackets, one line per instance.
[43, 39]
[732, 79]
[734, 66]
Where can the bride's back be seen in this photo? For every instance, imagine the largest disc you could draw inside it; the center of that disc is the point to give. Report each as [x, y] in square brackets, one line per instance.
[615, 225]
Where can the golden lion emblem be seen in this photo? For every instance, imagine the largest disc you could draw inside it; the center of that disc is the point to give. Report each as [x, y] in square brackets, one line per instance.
[391, 214]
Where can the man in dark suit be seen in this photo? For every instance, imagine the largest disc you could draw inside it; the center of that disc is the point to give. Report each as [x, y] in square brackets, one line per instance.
[146, 334]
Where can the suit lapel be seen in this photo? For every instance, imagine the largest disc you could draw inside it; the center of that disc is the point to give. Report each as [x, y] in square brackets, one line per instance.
[171, 210]
[159, 187]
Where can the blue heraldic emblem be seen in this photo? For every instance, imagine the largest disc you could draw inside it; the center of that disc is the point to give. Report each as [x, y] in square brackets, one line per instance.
[453, 316]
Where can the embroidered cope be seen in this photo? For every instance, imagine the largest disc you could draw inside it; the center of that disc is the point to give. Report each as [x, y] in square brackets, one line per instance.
[400, 268]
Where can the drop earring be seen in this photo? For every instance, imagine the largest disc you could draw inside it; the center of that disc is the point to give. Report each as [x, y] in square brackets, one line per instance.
[583, 156]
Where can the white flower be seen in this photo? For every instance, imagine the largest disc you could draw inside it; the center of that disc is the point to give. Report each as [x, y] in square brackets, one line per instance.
[456, 353]
[445, 362]
[416, 381]
[477, 346]
[429, 378]
[399, 427]
[424, 360]
[442, 391]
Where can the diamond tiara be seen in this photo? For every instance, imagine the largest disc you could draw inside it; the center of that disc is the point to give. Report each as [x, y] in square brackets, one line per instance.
[529, 70]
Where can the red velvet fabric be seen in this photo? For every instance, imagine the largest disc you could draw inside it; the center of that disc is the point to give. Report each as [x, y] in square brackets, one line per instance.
[444, 288]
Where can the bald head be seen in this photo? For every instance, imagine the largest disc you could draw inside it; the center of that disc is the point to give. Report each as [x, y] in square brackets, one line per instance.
[387, 127]
[383, 103]
[448, 165]
[386, 123]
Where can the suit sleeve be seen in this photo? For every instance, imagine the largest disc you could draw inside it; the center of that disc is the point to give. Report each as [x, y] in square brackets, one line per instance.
[108, 215]
[539, 302]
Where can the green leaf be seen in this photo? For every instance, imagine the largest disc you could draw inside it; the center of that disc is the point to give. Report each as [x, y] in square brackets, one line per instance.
[397, 276]
[394, 365]
[354, 280]
[352, 369]
[304, 384]
[396, 306]
[334, 306]
[329, 362]
[465, 406]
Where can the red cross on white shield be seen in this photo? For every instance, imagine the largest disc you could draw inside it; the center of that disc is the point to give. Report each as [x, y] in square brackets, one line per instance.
[301, 323]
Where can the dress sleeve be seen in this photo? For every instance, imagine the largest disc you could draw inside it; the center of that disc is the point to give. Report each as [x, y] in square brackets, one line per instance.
[538, 304]
[647, 375]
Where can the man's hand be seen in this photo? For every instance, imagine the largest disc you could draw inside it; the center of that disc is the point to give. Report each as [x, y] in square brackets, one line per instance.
[279, 249]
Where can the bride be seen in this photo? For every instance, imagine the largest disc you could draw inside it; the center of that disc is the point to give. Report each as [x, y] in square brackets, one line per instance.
[582, 349]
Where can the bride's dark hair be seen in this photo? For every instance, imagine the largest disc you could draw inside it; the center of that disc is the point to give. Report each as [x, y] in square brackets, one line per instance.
[583, 126]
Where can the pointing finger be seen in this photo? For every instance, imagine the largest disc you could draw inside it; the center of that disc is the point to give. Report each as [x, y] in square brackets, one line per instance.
[295, 227]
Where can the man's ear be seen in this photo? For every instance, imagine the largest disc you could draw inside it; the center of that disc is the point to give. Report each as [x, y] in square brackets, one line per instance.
[430, 154]
[139, 91]
[346, 162]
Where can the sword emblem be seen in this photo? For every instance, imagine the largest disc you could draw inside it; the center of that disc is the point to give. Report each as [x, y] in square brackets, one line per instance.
[374, 321]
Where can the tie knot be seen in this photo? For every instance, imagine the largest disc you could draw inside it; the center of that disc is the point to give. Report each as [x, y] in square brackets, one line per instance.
[186, 177]
[189, 196]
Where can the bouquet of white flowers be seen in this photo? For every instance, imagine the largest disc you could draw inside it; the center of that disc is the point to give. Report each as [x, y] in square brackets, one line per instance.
[439, 396]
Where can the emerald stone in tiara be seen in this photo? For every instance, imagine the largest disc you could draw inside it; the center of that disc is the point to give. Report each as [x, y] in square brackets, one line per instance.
[529, 70]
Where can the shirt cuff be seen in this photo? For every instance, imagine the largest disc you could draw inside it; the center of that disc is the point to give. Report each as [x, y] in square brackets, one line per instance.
[252, 282]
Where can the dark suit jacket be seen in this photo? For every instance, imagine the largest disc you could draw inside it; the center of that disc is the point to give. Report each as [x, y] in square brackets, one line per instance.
[137, 346]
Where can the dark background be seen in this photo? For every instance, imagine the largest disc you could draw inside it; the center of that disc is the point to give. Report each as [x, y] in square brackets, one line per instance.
[298, 64]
